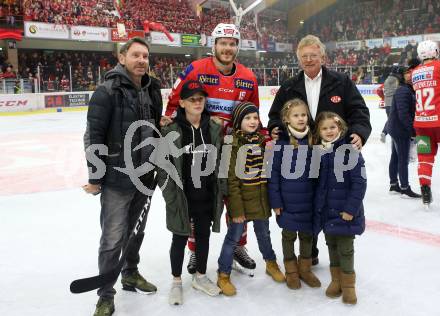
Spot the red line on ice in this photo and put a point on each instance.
(405, 233)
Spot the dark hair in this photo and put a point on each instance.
(124, 48)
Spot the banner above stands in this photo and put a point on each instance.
(349, 45)
(45, 30)
(88, 33)
(115, 36)
(159, 38)
(433, 37)
(402, 41)
(101, 34)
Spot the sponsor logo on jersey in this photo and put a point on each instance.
(185, 73)
(335, 99)
(210, 80)
(220, 105)
(244, 84)
(431, 118)
(225, 90)
(424, 73)
(242, 95)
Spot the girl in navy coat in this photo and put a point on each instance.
(291, 192)
(338, 200)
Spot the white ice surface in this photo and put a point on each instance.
(49, 238)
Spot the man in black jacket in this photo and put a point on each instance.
(127, 97)
(322, 90)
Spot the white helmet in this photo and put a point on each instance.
(226, 30)
(427, 49)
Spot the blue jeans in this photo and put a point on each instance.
(399, 161)
(261, 229)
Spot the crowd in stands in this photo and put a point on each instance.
(364, 19)
(176, 15)
(10, 13)
(55, 68)
(78, 12)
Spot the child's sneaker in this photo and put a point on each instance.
(202, 283)
(176, 293)
(274, 271)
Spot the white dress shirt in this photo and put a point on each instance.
(313, 89)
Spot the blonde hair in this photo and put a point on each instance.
(310, 40)
(323, 116)
(287, 107)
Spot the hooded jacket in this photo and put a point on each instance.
(177, 203)
(195, 141)
(113, 108)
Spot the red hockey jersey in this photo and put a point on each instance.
(224, 92)
(426, 84)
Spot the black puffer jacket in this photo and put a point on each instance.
(114, 106)
(338, 94)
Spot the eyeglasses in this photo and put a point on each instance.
(310, 57)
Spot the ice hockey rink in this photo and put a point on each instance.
(50, 236)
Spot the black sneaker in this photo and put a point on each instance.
(243, 259)
(315, 261)
(395, 188)
(408, 192)
(426, 194)
(192, 263)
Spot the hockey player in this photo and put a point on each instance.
(227, 83)
(426, 84)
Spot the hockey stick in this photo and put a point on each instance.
(95, 282)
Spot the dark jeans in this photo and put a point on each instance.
(399, 161)
(202, 232)
(119, 213)
(261, 229)
(385, 127)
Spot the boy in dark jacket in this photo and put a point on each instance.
(247, 195)
(400, 127)
(199, 201)
(338, 199)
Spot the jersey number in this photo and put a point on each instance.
(426, 94)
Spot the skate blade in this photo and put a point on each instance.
(236, 267)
